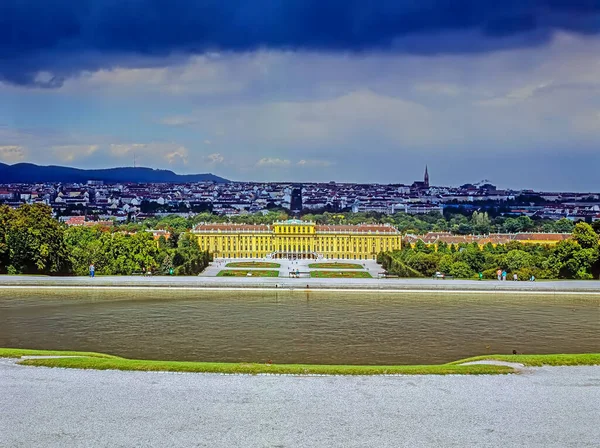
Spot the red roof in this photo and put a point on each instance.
(362, 228)
(228, 227)
(76, 221)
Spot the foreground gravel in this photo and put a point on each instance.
(546, 407)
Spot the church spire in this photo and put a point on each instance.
(426, 178)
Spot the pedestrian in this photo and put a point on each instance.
(532, 278)
(499, 274)
(92, 270)
(515, 277)
(504, 275)
(480, 276)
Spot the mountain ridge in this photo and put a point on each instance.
(32, 173)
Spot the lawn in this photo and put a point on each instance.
(252, 264)
(19, 352)
(335, 266)
(584, 359)
(339, 274)
(244, 273)
(105, 362)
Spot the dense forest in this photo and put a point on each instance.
(33, 242)
(577, 258)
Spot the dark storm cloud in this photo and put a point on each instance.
(66, 36)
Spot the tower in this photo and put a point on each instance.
(426, 178)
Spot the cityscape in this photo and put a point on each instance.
(126, 201)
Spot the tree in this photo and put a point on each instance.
(569, 260)
(518, 259)
(480, 222)
(425, 263)
(86, 245)
(35, 242)
(563, 225)
(511, 225)
(7, 217)
(420, 246)
(443, 248)
(584, 234)
(526, 223)
(461, 269)
(189, 259)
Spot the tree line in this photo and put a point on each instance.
(478, 223)
(33, 242)
(577, 258)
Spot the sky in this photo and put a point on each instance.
(308, 90)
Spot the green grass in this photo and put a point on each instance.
(340, 274)
(19, 352)
(252, 264)
(99, 361)
(254, 368)
(584, 359)
(335, 266)
(244, 272)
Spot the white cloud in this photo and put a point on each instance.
(438, 88)
(517, 95)
(177, 120)
(199, 75)
(69, 153)
(332, 122)
(273, 162)
(305, 163)
(152, 153)
(12, 153)
(177, 156)
(121, 150)
(214, 159)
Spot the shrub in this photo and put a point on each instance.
(460, 269)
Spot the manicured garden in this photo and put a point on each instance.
(100, 361)
(252, 264)
(335, 265)
(245, 272)
(339, 274)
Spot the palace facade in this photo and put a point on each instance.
(295, 239)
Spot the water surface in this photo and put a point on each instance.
(297, 327)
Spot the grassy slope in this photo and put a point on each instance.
(252, 264)
(253, 368)
(19, 352)
(99, 361)
(584, 359)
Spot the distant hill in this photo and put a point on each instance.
(30, 173)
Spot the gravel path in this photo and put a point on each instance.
(546, 407)
(359, 284)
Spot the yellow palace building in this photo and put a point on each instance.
(295, 239)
